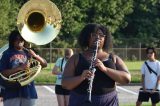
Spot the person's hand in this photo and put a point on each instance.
(100, 65)
(153, 91)
(86, 74)
(24, 66)
(1, 99)
(59, 76)
(144, 90)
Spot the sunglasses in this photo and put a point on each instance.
(150, 52)
(18, 39)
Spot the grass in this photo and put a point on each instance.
(134, 65)
(143, 104)
(134, 68)
(46, 77)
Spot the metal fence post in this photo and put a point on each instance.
(50, 49)
(140, 52)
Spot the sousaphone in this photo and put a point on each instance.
(39, 22)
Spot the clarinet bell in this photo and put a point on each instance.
(87, 103)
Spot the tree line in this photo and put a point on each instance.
(130, 21)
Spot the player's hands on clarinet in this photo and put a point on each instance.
(86, 74)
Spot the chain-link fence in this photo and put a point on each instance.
(128, 54)
(133, 54)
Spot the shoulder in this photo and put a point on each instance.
(119, 63)
(60, 59)
(158, 62)
(115, 58)
(143, 64)
(6, 53)
(74, 59)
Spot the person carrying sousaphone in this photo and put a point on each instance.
(150, 79)
(13, 60)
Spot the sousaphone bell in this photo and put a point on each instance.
(39, 21)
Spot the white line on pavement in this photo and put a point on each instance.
(121, 88)
(48, 88)
(129, 91)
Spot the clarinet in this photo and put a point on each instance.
(92, 69)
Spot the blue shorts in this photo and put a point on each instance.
(61, 91)
(109, 99)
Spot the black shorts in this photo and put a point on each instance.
(61, 91)
(144, 97)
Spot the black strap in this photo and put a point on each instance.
(62, 64)
(112, 58)
(149, 68)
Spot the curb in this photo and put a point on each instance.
(130, 84)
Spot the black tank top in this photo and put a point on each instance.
(102, 84)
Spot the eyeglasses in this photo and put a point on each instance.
(150, 52)
(97, 35)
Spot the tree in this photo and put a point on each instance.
(76, 14)
(110, 13)
(143, 24)
(8, 10)
(71, 23)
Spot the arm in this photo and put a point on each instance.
(158, 82)
(143, 82)
(42, 61)
(143, 71)
(55, 70)
(8, 72)
(5, 70)
(158, 78)
(69, 80)
(120, 75)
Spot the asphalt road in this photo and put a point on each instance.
(47, 97)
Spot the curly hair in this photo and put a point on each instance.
(85, 35)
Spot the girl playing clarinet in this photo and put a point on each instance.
(109, 69)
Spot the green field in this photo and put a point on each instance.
(134, 68)
(143, 104)
(46, 77)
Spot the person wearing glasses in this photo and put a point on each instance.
(150, 71)
(110, 69)
(61, 93)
